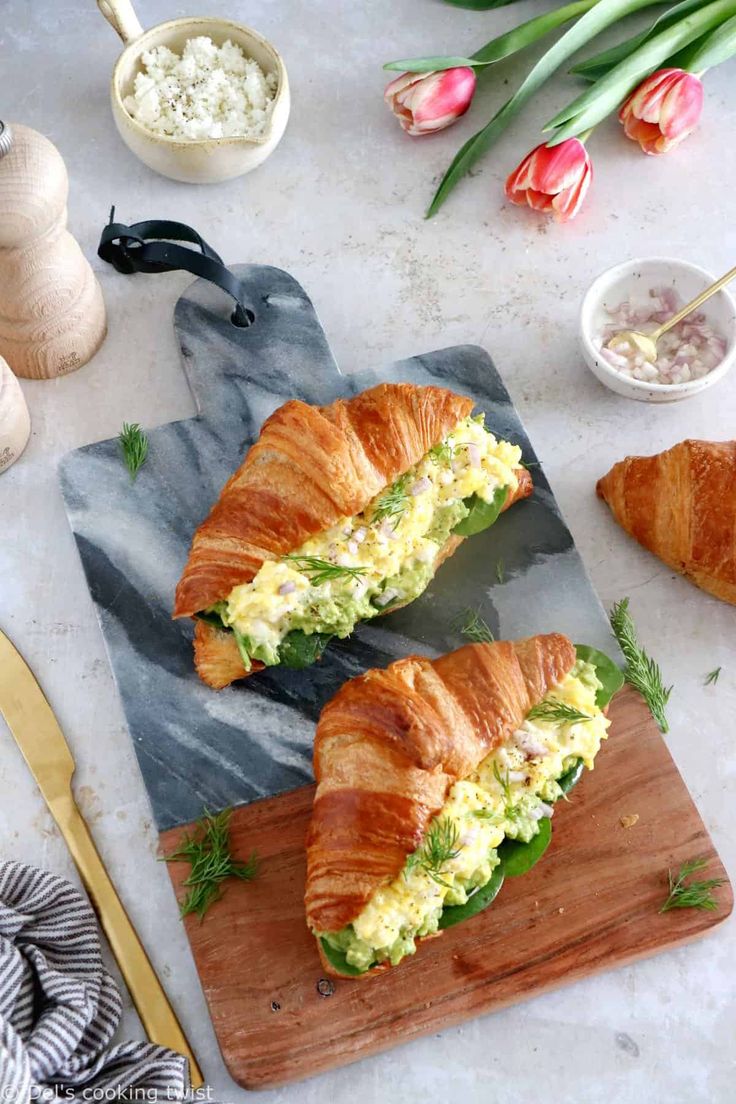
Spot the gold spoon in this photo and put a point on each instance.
(647, 343)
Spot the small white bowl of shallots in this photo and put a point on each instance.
(640, 295)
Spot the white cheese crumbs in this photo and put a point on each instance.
(208, 92)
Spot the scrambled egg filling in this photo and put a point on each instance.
(505, 797)
(383, 557)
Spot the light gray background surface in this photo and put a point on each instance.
(339, 205)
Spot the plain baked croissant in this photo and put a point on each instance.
(681, 505)
(310, 467)
(390, 745)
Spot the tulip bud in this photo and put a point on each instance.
(425, 102)
(663, 110)
(553, 179)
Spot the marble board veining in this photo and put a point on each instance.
(201, 748)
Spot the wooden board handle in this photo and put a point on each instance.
(120, 14)
(146, 991)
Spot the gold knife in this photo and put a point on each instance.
(45, 750)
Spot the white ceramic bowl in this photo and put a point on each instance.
(207, 161)
(617, 284)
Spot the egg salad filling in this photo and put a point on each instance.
(382, 557)
(506, 797)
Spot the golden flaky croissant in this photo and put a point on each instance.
(681, 505)
(433, 752)
(307, 536)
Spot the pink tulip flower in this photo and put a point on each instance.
(426, 102)
(663, 110)
(553, 179)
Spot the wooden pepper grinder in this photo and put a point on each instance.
(52, 315)
(15, 421)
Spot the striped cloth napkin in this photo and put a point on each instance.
(59, 1007)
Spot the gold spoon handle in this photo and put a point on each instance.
(711, 290)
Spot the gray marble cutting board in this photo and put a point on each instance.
(197, 747)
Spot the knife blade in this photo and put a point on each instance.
(37, 733)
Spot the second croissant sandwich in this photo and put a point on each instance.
(339, 513)
(437, 778)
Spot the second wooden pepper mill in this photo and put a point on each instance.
(52, 315)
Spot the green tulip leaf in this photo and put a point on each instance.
(479, 5)
(454, 914)
(431, 64)
(598, 65)
(517, 857)
(598, 15)
(714, 48)
(601, 98)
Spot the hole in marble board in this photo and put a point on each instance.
(242, 317)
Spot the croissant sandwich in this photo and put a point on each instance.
(437, 778)
(681, 505)
(337, 514)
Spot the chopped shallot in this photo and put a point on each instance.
(388, 596)
(689, 351)
(473, 455)
(420, 486)
(287, 588)
(530, 745)
(542, 811)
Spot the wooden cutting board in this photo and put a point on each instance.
(590, 904)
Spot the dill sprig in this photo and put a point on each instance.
(134, 446)
(712, 677)
(641, 671)
(393, 501)
(694, 894)
(510, 811)
(440, 846)
(470, 623)
(552, 710)
(321, 571)
(208, 851)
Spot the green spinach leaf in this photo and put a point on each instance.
(482, 514)
(213, 615)
(299, 649)
(211, 618)
(338, 960)
(609, 676)
(453, 914)
(518, 857)
(571, 777)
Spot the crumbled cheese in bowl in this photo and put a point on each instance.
(206, 92)
(689, 351)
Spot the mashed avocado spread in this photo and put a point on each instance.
(507, 797)
(380, 558)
